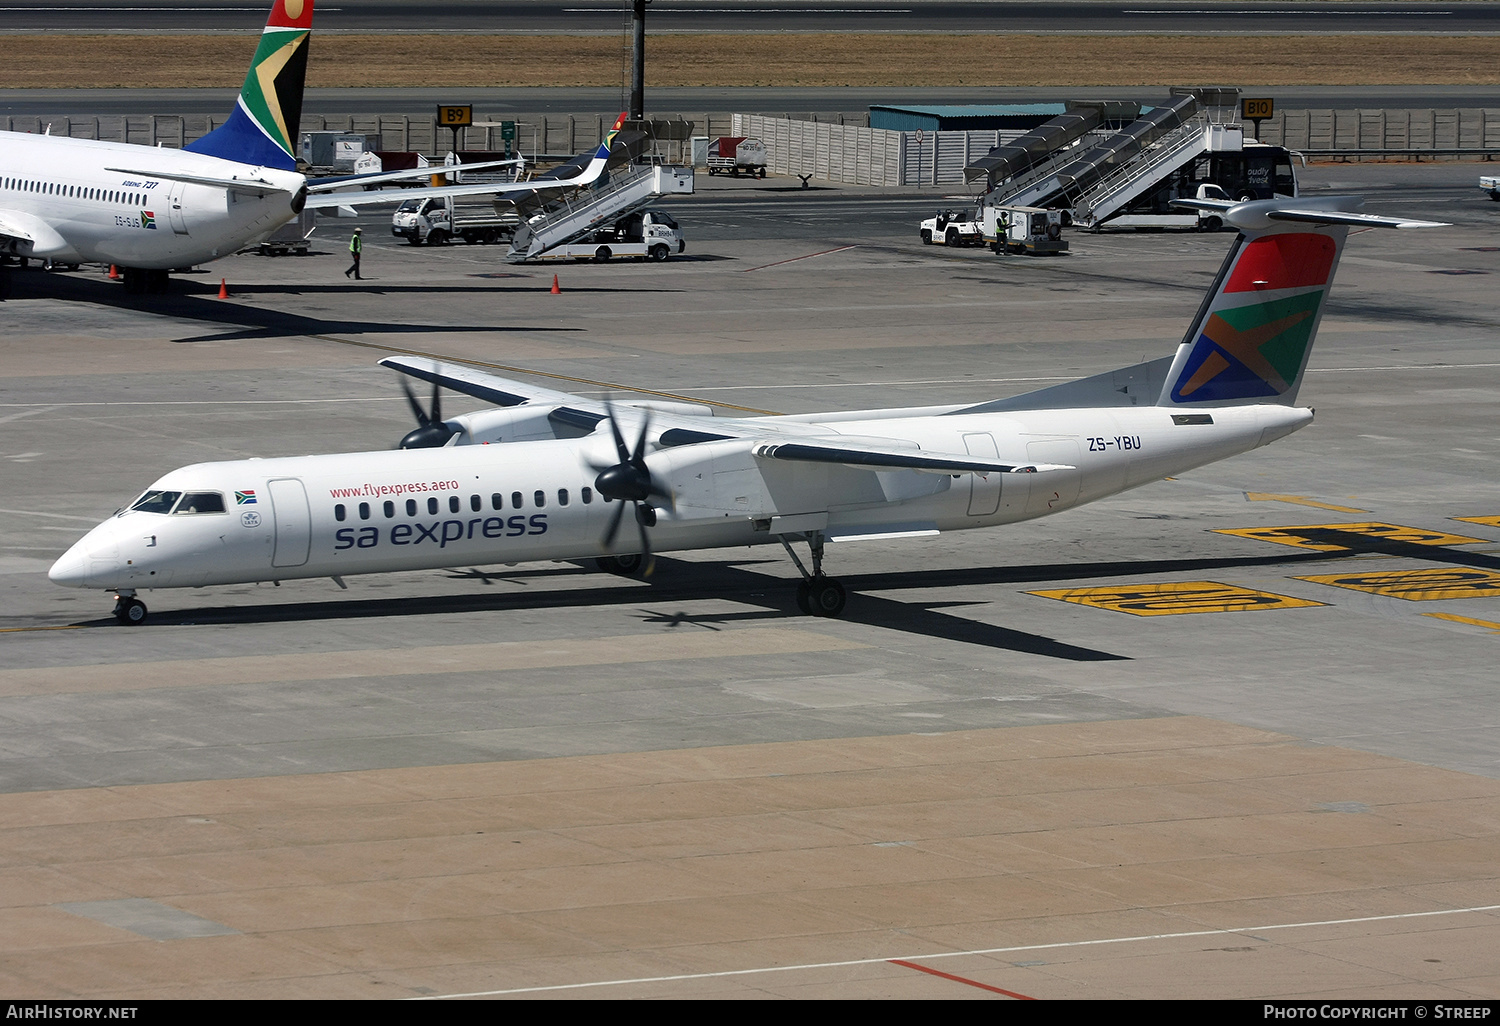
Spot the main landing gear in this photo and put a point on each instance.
(129, 610)
(817, 595)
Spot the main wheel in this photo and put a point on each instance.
(130, 612)
(621, 566)
(825, 596)
(660, 253)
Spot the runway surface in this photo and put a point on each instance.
(543, 780)
(552, 16)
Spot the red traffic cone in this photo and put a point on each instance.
(555, 290)
(223, 289)
(114, 273)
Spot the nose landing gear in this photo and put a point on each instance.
(817, 595)
(129, 610)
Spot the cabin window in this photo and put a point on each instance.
(453, 504)
(516, 502)
(476, 503)
(364, 511)
(432, 507)
(411, 507)
(497, 501)
(390, 509)
(562, 496)
(588, 496)
(156, 501)
(339, 512)
(540, 498)
(200, 502)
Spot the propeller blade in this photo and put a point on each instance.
(614, 526)
(416, 407)
(614, 427)
(640, 443)
(648, 561)
(437, 403)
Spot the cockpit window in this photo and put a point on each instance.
(156, 501)
(200, 502)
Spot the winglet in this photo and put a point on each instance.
(263, 128)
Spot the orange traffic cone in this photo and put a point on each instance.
(555, 290)
(114, 273)
(223, 289)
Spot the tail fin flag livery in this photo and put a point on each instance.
(262, 129)
(1252, 337)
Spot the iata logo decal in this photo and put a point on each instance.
(1249, 351)
(250, 518)
(148, 220)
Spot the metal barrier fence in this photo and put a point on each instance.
(836, 146)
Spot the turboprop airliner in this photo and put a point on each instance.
(150, 209)
(545, 475)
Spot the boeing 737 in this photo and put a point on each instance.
(549, 476)
(149, 209)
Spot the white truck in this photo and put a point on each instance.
(643, 235)
(1491, 185)
(1024, 230)
(732, 154)
(953, 228)
(438, 220)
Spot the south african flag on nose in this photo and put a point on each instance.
(244, 498)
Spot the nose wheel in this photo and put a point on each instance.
(817, 595)
(129, 611)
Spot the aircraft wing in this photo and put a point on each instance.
(487, 387)
(1306, 209)
(866, 456)
(590, 175)
(24, 227)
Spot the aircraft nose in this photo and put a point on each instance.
(93, 557)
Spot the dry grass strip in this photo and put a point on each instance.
(770, 60)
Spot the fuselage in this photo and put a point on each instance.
(470, 505)
(61, 192)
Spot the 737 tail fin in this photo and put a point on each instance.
(263, 128)
(1254, 332)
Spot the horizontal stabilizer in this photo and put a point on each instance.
(1330, 210)
(318, 185)
(257, 185)
(869, 457)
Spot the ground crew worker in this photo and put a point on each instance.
(356, 245)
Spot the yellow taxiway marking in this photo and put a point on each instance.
(58, 627)
(1482, 521)
(1471, 621)
(1301, 501)
(1179, 597)
(1437, 582)
(1297, 535)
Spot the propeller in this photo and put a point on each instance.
(430, 432)
(630, 481)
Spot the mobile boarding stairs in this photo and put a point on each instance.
(577, 214)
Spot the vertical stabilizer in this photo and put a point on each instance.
(1252, 336)
(266, 120)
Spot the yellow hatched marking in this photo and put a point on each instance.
(1298, 535)
(1488, 624)
(1438, 582)
(1172, 599)
(1301, 500)
(1482, 521)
